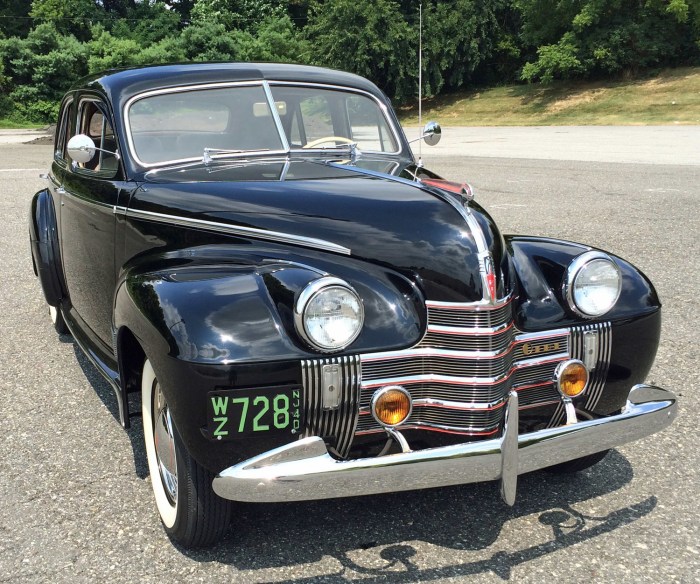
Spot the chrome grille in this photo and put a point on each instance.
(436, 362)
(599, 373)
(468, 316)
(471, 357)
(458, 375)
(337, 425)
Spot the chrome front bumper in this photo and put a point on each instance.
(304, 470)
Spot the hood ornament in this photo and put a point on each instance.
(490, 278)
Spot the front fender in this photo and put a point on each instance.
(206, 323)
(635, 320)
(541, 264)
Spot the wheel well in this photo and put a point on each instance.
(131, 358)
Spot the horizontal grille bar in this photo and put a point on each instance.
(439, 314)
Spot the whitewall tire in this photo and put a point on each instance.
(193, 515)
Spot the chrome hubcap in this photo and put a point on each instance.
(165, 444)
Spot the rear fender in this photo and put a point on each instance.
(43, 238)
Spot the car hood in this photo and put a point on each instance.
(380, 218)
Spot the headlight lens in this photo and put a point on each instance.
(593, 284)
(329, 314)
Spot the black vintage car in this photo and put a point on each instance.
(307, 312)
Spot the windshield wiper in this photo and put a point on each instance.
(207, 155)
(352, 149)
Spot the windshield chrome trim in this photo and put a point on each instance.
(266, 85)
(276, 116)
(226, 228)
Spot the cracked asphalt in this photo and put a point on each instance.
(76, 504)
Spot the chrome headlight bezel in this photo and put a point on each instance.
(577, 269)
(312, 290)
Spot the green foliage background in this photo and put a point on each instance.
(46, 45)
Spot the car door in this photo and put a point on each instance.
(88, 193)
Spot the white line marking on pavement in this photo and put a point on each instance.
(21, 169)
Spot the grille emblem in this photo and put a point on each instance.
(532, 349)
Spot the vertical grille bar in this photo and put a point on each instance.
(599, 374)
(338, 424)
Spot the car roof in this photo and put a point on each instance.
(119, 85)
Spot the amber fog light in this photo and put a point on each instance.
(571, 377)
(391, 405)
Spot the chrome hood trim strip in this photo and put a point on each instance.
(228, 229)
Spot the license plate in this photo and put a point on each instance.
(253, 412)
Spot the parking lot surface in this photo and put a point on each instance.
(75, 498)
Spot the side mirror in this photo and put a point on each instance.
(81, 148)
(432, 133)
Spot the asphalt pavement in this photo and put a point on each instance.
(75, 499)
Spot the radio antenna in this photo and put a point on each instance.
(420, 84)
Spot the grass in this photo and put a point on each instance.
(671, 97)
(12, 125)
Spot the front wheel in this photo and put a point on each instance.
(193, 515)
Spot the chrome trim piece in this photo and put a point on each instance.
(330, 386)
(252, 232)
(338, 424)
(458, 379)
(307, 294)
(572, 273)
(276, 115)
(598, 374)
(509, 451)
(304, 470)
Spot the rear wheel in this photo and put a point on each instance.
(57, 319)
(193, 515)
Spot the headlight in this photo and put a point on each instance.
(592, 284)
(329, 314)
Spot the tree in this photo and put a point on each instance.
(67, 16)
(237, 14)
(39, 70)
(14, 18)
(602, 38)
(370, 39)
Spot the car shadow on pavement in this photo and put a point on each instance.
(104, 391)
(463, 518)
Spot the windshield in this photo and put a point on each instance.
(200, 123)
(314, 117)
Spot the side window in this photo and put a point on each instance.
(65, 129)
(94, 123)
